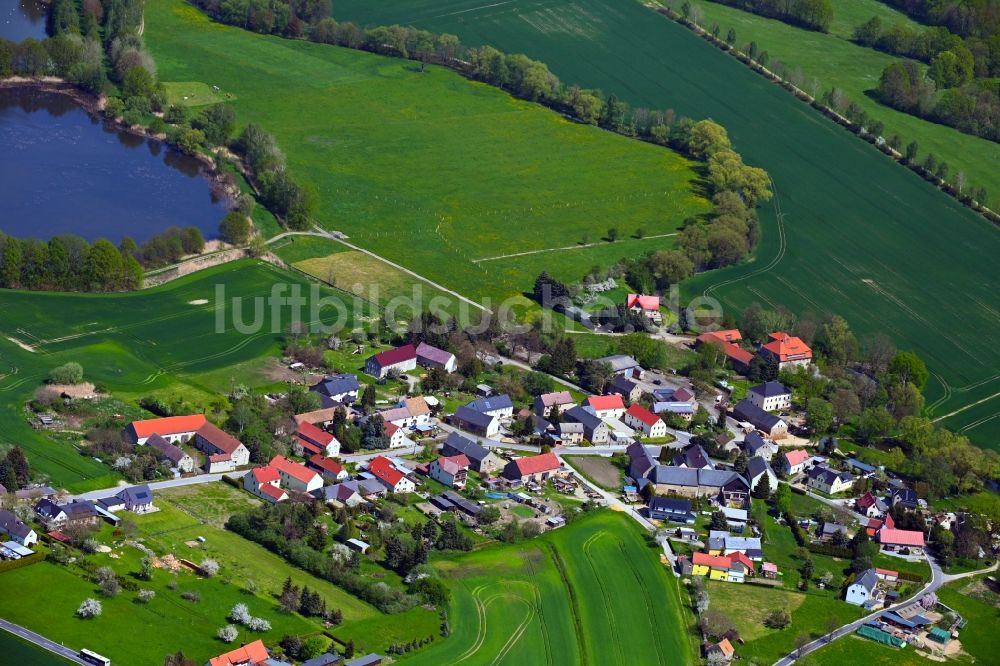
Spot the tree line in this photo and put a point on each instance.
(963, 17)
(810, 14)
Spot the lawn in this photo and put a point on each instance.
(589, 593)
(979, 637)
(849, 232)
(157, 341)
(293, 249)
(856, 650)
(429, 169)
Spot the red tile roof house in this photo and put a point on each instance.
(606, 406)
(788, 350)
(396, 481)
(396, 435)
(896, 541)
(264, 483)
(639, 418)
(174, 429)
(329, 469)
(314, 440)
(296, 477)
(451, 471)
(726, 342)
(400, 359)
(534, 468)
(646, 305)
(250, 654)
(225, 452)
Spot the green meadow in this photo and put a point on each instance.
(162, 341)
(849, 231)
(428, 169)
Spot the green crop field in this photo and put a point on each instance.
(849, 231)
(590, 593)
(25, 654)
(440, 174)
(133, 344)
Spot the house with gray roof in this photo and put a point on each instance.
(757, 469)
(16, 528)
(727, 487)
(624, 366)
(595, 430)
(499, 406)
(179, 460)
(769, 424)
(476, 422)
(340, 389)
(137, 499)
(862, 591)
(624, 387)
(671, 509)
(749, 546)
(641, 460)
(755, 445)
(693, 456)
(429, 356)
(480, 458)
(770, 396)
(340, 494)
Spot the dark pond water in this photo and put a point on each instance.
(20, 19)
(62, 171)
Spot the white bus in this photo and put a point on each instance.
(91, 657)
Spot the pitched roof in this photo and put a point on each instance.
(315, 416)
(171, 452)
(265, 474)
(621, 384)
(11, 524)
(601, 402)
(556, 398)
(770, 389)
(694, 456)
(314, 434)
(868, 579)
(757, 466)
(747, 411)
(169, 425)
(754, 442)
(544, 462)
(397, 355)
(492, 403)
(383, 469)
(218, 438)
(251, 653)
(273, 492)
(639, 412)
(473, 451)
(433, 354)
(389, 428)
(619, 362)
(725, 340)
(326, 464)
(683, 395)
(796, 457)
(901, 537)
(473, 417)
(293, 469)
(141, 494)
(337, 384)
(669, 504)
(46, 508)
(587, 418)
(416, 406)
(788, 347)
(644, 302)
(725, 335)
(453, 464)
(886, 572)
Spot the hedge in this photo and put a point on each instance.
(10, 565)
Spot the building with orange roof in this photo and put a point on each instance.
(793, 462)
(723, 648)
(328, 468)
(390, 476)
(250, 654)
(174, 429)
(732, 568)
(648, 306)
(316, 440)
(450, 470)
(294, 476)
(788, 350)
(534, 468)
(726, 341)
(225, 452)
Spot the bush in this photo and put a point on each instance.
(777, 619)
(70, 373)
(258, 624)
(145, 596)
(209, 567)
(227, 634)
(240, 614)
(193, 597)
(90, 608)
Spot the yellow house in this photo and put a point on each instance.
(732, 568)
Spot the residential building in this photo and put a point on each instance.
(769, 570)
(340, 389)
(618, 432)
(758, 469)
(432, 357)
(769, 424)
(534, 468)
(605, 406)
(321, 418)
(770, 396)
(896, 541)
(568, 433)
(672, 510)
(466, 418)
(788, 350)
(342, 494)
(793, 462)
(400, 359)
(862, 590)
(731, 568)
(296, 477)
(419, 409)
(54, 516)
(594, 429)
(137, 499)
(265, 482)
(829, 481)
(625, 387)
(179, 460)
(905, 497)
(225, 452)
(749, 546)
(547, 403)
(723, 649)
(174, 429)
(314, 441)
(693, 456)
(727, 487)
(647, 306)
(499, 406)
(871, 506)
(624, 366)
(641, 419)
(480, 458)
(390, 476)
(830, 529)
(755, 445)
(684, 410)
(16, 529)
(726, 341)
(251, 654)
(329, 469)
(396, 435)
(450, 470)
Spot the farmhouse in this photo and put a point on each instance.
(329, 469)
(179, 460)
(547, 403)
(174, 429)
(225, 452)
(321, 418)
(828, 480)
(645, 421)
(648, 306)
(623, 366)
(625, 387)
(726, 341)
(534, 468)
(594, 429)
(390, 476)
(769, 424)
(606, 406)
(757, 470)
(475, 422)
(793, 462)
(728, 488)
(432, 357)
(400, 359)
(732, 568)
(499, 406)
(770, 396)
(251, 654)
(451, 471)
(264, 482)
(16, 529)
(788, 350)
(896, 541)
(480, 458)
(673, 510)
(341, 389)
(396, 435)
(316, 441)
(863, 590)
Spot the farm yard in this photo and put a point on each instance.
(162, 341)
(569, 597)
(886, 258)
(431, 170)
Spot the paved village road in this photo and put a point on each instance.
(41, 641)
(159, 485)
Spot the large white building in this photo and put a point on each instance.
(770, 396)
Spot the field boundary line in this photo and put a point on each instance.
(650, 603)
(965, 407)
(578, 246)
(574, 602)
(612, 623)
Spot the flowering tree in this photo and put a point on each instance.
(89, 608)
(227, 634)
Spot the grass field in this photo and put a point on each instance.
(163, 340)
(429, 169)
(590, 593)
(849, 232)
(25, 654)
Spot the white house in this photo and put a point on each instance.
(559, 401)
(828, 480)
(641, 419)
(390, 476)
(793, 462)
(757, 469)
(451, 471)
(264, 482)
(396, 435)
(431, 357)
(294, 476)
(179, 460)
(18, 531)
(499, 406)
(313, 440)
(225, 452)
(862, 590)
(606, 406)
(770, 396)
